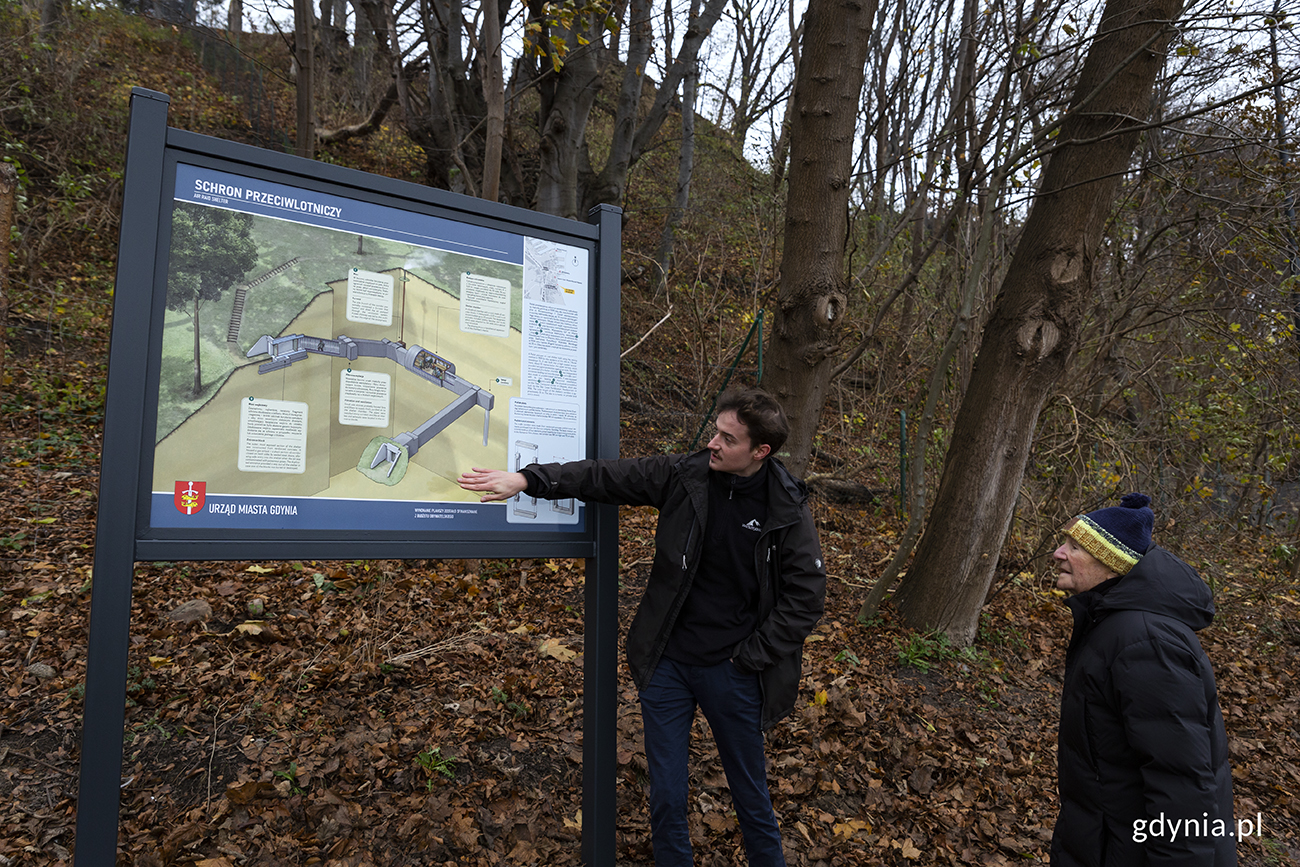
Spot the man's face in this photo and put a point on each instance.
(1078, 571)
(731, 450)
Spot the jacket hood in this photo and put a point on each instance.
(1159, 584)
(795, 487)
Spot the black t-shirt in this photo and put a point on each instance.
(721, 609)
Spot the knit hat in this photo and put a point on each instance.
(1118, 536)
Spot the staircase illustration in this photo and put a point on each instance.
(237, 309)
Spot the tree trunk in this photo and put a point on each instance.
(198, 361)
(494, 96)
(1288, 204)
(454, 109)
(567, 97)
(812, 297)
(1033, 330)
(333, 37)
(303, 68)
(364, 48)
(685, 170)
(608, 185)
(235, 19)
(8, 192)
(781, 146)
(53, 13)
(632, 138)
(938, 378)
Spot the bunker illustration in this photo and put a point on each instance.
(395, 452)
(525, 454)
(525, 506)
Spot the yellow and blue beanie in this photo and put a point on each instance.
(1118, 536)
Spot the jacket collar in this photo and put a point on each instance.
(1159, 584)
(786, 495)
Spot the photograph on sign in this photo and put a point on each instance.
(329, 363)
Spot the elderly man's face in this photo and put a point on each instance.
(1078, 571)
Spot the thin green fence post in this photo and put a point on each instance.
(757, 326)
(902, 462)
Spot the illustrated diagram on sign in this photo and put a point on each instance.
(363, 394)
(496, 321)
(567, 505)
(523, 505)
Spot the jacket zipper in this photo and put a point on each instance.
(764, 568)
(661, 641)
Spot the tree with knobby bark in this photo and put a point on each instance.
(812, 297)
(1034, 327)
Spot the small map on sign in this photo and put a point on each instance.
(554, 273)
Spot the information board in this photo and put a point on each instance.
(303, 360)
(359, 358)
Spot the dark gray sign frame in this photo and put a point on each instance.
(124, 537)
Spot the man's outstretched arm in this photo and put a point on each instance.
(494, 484)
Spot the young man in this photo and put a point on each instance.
(1141, 735)
(736, 586)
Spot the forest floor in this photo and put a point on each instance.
(283, 725)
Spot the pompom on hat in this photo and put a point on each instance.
(1118, 536)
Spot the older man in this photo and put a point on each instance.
(1142, 744)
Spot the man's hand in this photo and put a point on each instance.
(498, 484)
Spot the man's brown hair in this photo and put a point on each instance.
(759, 412)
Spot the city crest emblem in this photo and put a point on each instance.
(189, 497)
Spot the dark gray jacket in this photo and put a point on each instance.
(787, 556)
(1141, 734)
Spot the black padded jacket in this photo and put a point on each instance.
(787, 556)
(1141, 734)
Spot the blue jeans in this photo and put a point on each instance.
(732, 702)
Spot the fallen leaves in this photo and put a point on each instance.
(250, 791)
(297, 735)
(906, 849)
(553, 648)
(851, 828)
